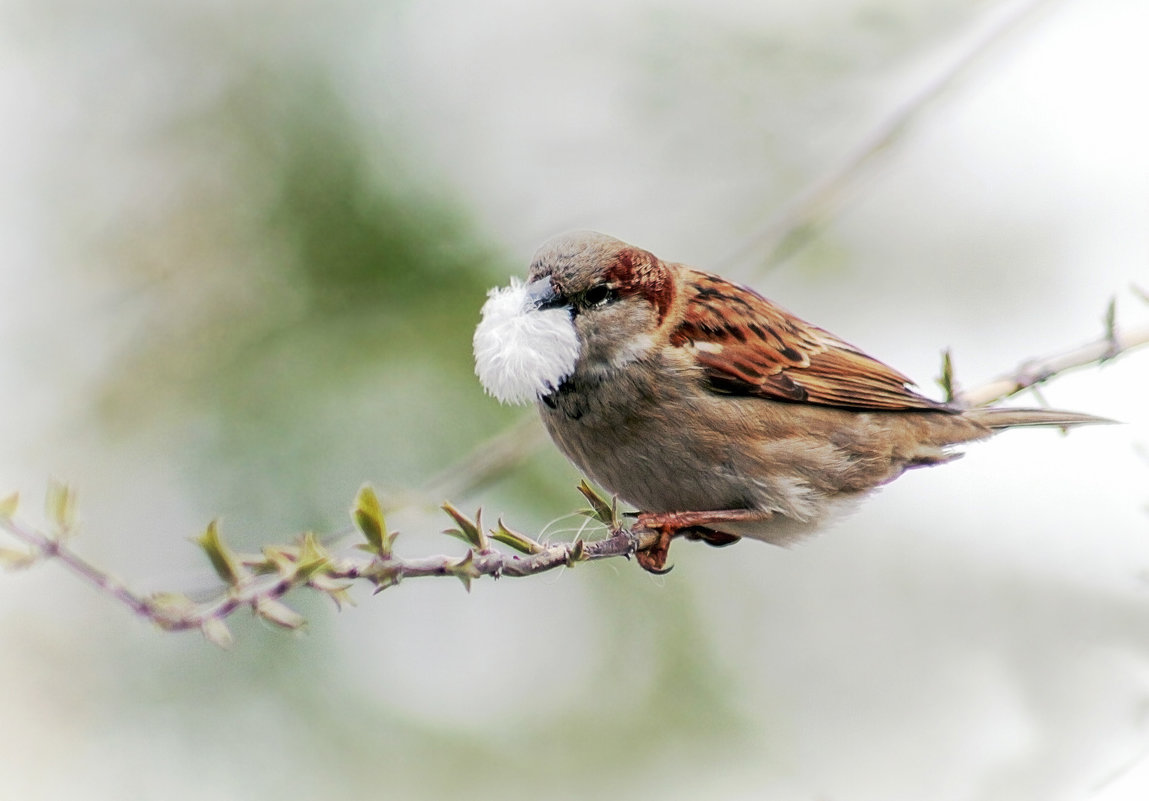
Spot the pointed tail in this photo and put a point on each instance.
(999, 417)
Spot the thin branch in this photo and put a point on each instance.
(1033, 372)
(259, 582)
(388, 571)
(45, 546)
(819, 200)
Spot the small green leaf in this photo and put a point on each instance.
(313, 557)
(600, 510)
(216, 632)
(227, 566)
(60, 507)
(9, 505)
(16, 559)
(520, 542)
(469, 531)
(367, 515)
(464, 569)
(278, 613)
(946, 380)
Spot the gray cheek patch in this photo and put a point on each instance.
(522, 353)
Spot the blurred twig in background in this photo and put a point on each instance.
(488, 460)
(794, 222)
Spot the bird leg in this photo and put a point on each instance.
(692, 525)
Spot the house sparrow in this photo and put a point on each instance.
(712, 410)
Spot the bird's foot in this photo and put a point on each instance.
(692, 525)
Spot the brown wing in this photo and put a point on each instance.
(749, 346)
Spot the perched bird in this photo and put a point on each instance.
(712, 410)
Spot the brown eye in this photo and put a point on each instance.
(598, 295)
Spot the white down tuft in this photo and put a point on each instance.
(521, 352)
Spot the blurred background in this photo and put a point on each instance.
(245, 245)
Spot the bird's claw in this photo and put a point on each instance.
(652, 558)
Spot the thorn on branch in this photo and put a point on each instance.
(383, 575)
(464, 569)
(577, 553)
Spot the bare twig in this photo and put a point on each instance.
(814, 204)
(1033, 372)
(45, 546)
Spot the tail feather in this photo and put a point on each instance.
(999, 417)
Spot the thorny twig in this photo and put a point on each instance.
(260, 581)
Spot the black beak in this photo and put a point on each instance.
(541, 295)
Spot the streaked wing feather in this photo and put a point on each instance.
(750, 346)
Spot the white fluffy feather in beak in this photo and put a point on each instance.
(522, 351)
